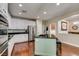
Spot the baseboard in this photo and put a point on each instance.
(72, 44)
(24, 42)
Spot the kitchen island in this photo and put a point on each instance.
(45, 46)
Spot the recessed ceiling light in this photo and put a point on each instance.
(57, 3)
(23, 11)
(44, 12)
(20, 5)
(38, 17)
(20, 13)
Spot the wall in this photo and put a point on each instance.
(39, 27)
(52, 28)
(67, 38)
(17, 23)
(72, 39)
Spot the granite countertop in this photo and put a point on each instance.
(46, 36)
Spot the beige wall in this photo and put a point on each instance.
(39, 29)
(52, 29)
(72, 39)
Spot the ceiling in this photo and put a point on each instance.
(73, 18)
(45, 11)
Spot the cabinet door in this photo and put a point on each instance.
(0, 8)
(45, 47)
(4, 9)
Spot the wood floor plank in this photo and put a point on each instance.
(22, 49)
(68, 50)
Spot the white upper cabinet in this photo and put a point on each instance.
(4, 9)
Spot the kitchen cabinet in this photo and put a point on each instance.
(3, 29)
(45, 47)
(4, 9)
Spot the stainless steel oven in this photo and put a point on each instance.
(3, 35)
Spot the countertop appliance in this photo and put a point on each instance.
(3, 35)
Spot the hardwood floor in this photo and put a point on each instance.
(22, 49)
(68, 50)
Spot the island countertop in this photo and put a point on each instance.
(46, 36)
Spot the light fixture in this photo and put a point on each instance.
(57, 3)
(20, 5)
(20, 13)
(44, 12)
